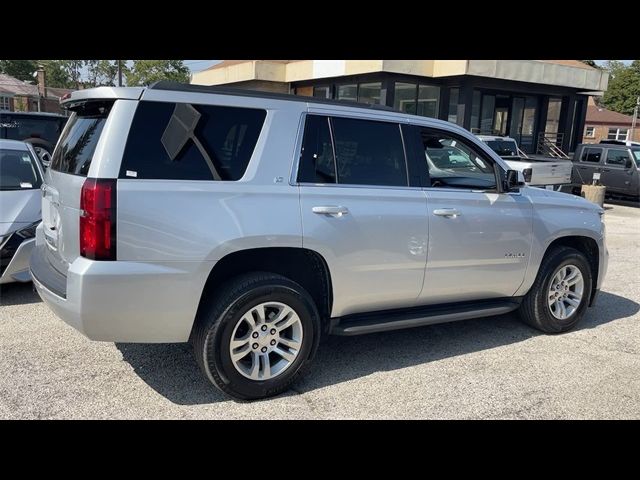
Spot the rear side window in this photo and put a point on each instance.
(77, 145)
(190, 142)
(592, 155)
(617, 157)
(369, 152)
(317, 162)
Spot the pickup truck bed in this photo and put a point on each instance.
(544, 170)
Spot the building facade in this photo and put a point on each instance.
(603, 124)
(534, 101)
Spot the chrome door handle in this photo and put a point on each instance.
(447, 212)
(334, 211)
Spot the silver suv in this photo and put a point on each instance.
(253, 224)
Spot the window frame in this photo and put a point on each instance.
(5, 99)
(617, 134)
(586, 132)
(498, 172)
(413, 181)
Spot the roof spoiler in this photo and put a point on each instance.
(100, 93)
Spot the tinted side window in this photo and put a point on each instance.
(617, 157)
(591, 155)
(190, 142)
(317, 163)
(369, 152)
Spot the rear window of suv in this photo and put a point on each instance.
(79, 141)
(190, 142)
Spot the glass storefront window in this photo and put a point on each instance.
(405, 97)
(348, 92)
(486, 115)
(428, 99)
(322, 92)
(369, 93)
(475, 112)
(454, 94)
(553, 115)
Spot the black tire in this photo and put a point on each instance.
(535, 310)
(218, 317)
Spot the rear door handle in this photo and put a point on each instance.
(447, 212)
(334, 211)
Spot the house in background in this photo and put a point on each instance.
(603, 124)
(541, 103)
(19, 96)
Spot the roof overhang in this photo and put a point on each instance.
(530, 71)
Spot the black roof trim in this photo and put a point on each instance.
(34, 114)
(183, 87)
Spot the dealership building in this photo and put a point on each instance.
(540, 103)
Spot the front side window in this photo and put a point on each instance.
(617, 157)
(18, 170)
(454, 162)
(591, 155)
(317, 163)
(181, 141)
(369, 152)
(504, 148)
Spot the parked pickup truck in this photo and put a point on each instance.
(538, 170)
(617, 162)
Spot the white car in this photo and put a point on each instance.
(538, 171)
(20, 200)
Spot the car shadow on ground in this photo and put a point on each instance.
(170, 369)
(18, 294)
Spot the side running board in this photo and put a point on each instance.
(362, 323)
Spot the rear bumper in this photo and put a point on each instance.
(124, 301)
(18, 268)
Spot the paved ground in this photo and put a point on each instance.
(489, 368)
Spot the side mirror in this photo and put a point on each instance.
(514, 179)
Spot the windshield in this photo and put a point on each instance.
(18, 170)
(504, 148)
(636, 156)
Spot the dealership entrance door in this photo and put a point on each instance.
(507, 115)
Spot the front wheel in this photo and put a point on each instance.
(256, 336)
(560, 294)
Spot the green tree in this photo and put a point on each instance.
(57, 75)
(624, 88)
(103, 72)
(20, 69)
(145, 72)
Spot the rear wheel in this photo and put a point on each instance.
(256, 336)
(559, 297)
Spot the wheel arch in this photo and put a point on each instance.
(304, 266)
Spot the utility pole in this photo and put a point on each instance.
(635, 118)
(119, 73)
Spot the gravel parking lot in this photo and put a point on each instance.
(488, 368)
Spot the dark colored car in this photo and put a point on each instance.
(41, 130)
(618, 164)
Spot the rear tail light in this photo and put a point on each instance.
(527, 174)
(98, 219)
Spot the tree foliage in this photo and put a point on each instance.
(20, 69)
(103, 72)
(624, 87)
(145, 72)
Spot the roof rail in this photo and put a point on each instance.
(183, 87)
